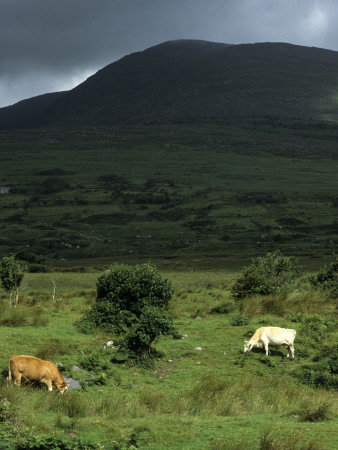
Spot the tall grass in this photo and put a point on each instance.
(211, 396)
(283, 303)
(217, 396)
(23, 316)
(281, 439)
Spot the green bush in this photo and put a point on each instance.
(223, 308)
(315, 326)
(266, 275)
(315, 377)
(131, 301)
(239, 321)
(327, 358)
(323, 373)
(11, 276)
(94, 362)
(327, 278)
(131, 288)
(37, 268)
(153, 322)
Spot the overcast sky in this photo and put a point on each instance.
(53, 45)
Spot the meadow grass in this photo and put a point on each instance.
(202, 393)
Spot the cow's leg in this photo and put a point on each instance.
(17, 379)
(292, 349)
(266, 346)
(48, 383)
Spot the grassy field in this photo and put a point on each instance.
(203, 393)
(178, 191)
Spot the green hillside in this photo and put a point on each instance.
(187, 149)
(178, 191)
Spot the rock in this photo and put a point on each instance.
(110, 344)
(72, 384)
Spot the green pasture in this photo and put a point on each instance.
(202, 393)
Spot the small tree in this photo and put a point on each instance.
(131, 301)
(11, 276)
(327, 278)
(266, 275)
(152, 323)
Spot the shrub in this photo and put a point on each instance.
(131, 301)
(94, 362)
(239, 321)
(37, 268)
(223, 308)
(315, 414)
(315, 326)
(327, 358)
(327, 278)
(266, 275)
(153, 322)
(316, 378)
(132, 288)
(11, 276)
(27, 256)
(296, 318)
(6, 410)
(324, 372)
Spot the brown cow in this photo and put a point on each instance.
(35, 369)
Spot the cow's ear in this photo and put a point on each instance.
(246, 342)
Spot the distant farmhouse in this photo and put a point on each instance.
(4, 189)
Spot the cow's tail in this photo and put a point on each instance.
(9, 378)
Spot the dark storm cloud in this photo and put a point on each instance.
(48, 45)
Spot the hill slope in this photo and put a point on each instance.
(195, 81)
(170, 191)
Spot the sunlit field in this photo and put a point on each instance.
(202, 392)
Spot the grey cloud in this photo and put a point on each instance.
(48, 45)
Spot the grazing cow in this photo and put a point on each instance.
(273, 336)
(35, 369)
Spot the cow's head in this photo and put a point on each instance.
(63, 387)
(247, 346)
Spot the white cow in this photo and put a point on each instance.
(273, 336)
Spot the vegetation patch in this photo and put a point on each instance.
(266, 275)
(203, 392)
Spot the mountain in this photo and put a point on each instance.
(26, 113)
(194, 81)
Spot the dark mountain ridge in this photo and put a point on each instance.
(194, 81)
